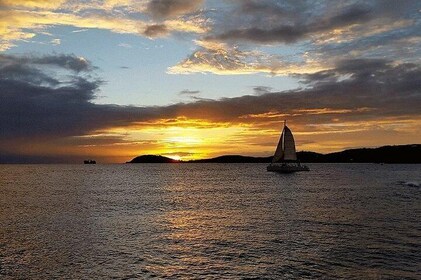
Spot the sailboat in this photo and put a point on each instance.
(285, 158)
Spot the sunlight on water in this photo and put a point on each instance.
(213, 221)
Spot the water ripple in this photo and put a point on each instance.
(209, 221)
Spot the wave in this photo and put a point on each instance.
(413, 184)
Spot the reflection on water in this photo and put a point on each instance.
(212, 221)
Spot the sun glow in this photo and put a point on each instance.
(181, 143)
(174, 157)
(197, 141)
(184, 140)
(188, 140)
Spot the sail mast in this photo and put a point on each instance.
(283, 140)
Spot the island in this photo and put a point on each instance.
(152, 159)
(386, 154)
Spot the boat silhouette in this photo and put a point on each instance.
(285, 158)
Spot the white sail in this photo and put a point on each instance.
(289, 145)
(285, 151)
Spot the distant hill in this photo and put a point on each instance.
(234, 159)
(385, 154)
(305, 156)
(152, 159)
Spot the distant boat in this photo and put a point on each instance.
(285, 158)
(89, 161)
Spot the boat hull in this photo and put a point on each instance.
(287, 168)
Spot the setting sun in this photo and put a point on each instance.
(174, 157)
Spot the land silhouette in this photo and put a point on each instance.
(385, 154)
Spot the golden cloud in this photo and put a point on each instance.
(43, 4)
(22, 20)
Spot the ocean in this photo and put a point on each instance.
(210, 221)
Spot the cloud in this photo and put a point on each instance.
(45, 4)
(19, 25)
(336, 48)
(262, 90)
(314, 34)
(156, 30)
(290, 32)
(172, 8)
(235, 37)
(55, 42)
(68, 62)
(54, 112)
(354, 90)
(35, 103)
(80, 30)
(222, 59)
(189, 92)
(125, 45)
(268, 8)
(24, 19)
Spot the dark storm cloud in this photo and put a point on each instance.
(37, 104)
(259, 90)
(363, 89)
(294, 31)
(357, 68)
(156, 30)
(69, 62)
(171, 8)
(267, 8)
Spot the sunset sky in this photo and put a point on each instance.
(113, 79)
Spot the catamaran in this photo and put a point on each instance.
(285, 158)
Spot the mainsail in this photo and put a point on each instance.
(285, 151)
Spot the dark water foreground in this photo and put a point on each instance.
(209, 221)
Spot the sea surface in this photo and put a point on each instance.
(210, 221)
